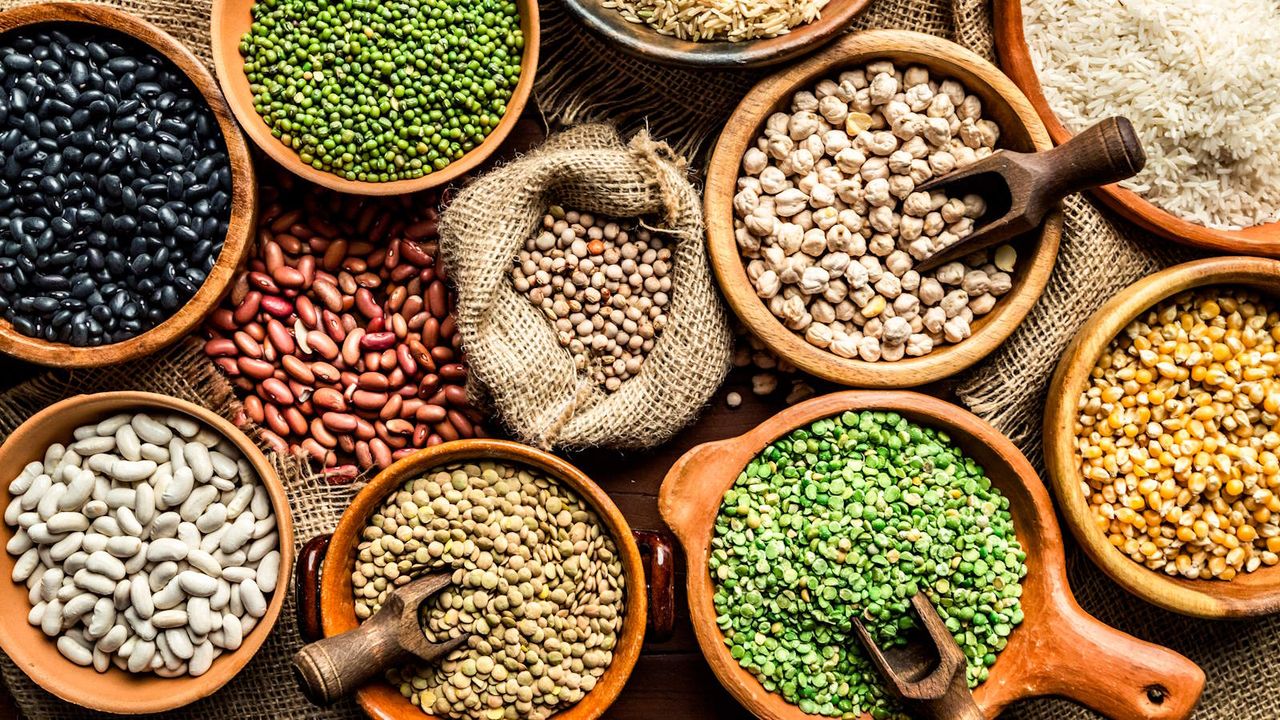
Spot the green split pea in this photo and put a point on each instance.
(377, 90)
(852, 516)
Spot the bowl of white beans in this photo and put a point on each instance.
(148, 549)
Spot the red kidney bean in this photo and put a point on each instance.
(372, 381)
(228, 365)
(275, 421)
(364, 429)
(273, 441)
(339, 422)
(253, 408)
(333, 325)
(277, 391)
(288, 277)
(220, 347)
(437, 299)
(461, 423)
(297, 423)
(315, 450)
(306, 310)
(282, 223)
(223, 319)
(399, 427)
(324, 371)
(246, 344)
(334, 255)
(453, 371)
(428, 386)
(328, 294)
(456, 395)
(248, 308)
(277, 306)
(366, 400)
(392, 408)
(431, 413)
(446, 431)
(430, 332)
(381, 453)
(329, 399)
(406, 361)
(322, 344)
(364, 457)
(378, 341)
(351, 347)
(420, 434)
(256, 369)
(346, 444)
(272, 255)
(298, 369)
(263, 282)
(280, 337)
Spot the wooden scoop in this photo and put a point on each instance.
(333, 667)
(1020, 188)
(929, 673)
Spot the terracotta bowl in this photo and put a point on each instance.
(1015, 58)
(1001, 102)
(244, 196)
(1255, 593)
(118, 691)
(1057, 650)
(326, 606)
(643, 41)
(231, 19)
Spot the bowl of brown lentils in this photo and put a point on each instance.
(548, 582)
(814, 225)
(1162, 441)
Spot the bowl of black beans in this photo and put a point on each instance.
(127, 193)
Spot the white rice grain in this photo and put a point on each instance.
(1200, 81)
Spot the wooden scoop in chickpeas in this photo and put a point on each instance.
(331, 668)
(1019, 189)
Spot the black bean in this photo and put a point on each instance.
(114, 185)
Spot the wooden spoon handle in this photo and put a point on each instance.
(331, 668)
(1114, 673)
(1105, 153)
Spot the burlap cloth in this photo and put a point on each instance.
(530, 380)
(582, 78)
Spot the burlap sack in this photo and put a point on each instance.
(265, 688)
(529, 379)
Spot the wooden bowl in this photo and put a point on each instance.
(231, 19)
(244, 196)
(1249, 594)
(1020, 130)
(1015, 58)
(327, 604)
(641, 40)
(1057, 650)
(118, 691)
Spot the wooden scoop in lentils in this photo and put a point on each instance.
(115, 188)
(537, 583)
(1177, 436)
(851, 516)
(604, 286)
(340, 330)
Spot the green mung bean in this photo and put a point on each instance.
(376, 90)
(851, 516)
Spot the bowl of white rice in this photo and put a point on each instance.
(1201, 84)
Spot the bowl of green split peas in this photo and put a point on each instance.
(846, 505)
(375, 97)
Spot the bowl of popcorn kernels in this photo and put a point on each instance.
(813, 224)
(1161, 437)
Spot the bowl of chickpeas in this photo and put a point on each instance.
(1162, 437)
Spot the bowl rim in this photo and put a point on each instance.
(229, 67)
(378, 698)
(992, 329)
(642, 41)
(244, 194)
(1015, 58)
(183, 690)
(1196, 598)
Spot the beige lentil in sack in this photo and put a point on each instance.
(515, 358)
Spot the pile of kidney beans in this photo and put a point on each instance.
(115, 188)
(340, 331)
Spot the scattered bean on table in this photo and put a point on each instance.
(147, 543)
(830, 224)
(340, 330)
(115, 185)
(851, 516)
(382, 91)
(1177, 436)
(604, 285)
(537, 583)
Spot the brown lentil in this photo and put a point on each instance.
(1178, 435)
(338, 332)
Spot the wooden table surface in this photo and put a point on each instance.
(671, 679)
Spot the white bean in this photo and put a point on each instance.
(25, 565)
(166, 619)
(268, 571)
(197, 584)
(74, 651)
(150, 430)
(251, 597)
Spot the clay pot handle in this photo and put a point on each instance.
(1112, 672)
(680, 499)
(660, 579)
(307, 587)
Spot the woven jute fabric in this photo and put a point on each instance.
(530, 380)
(265, 688)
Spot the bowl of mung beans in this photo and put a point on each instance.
(1161, 437)
(376, 98)
(548, 581)
(814, 227)
(844, 506)
(128, 193)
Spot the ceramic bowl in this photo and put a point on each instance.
(118, 691)
(231, 19)
(244, 195)
(327, 605)
(1057, 650)
(1255, 593)
(1020, 130)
